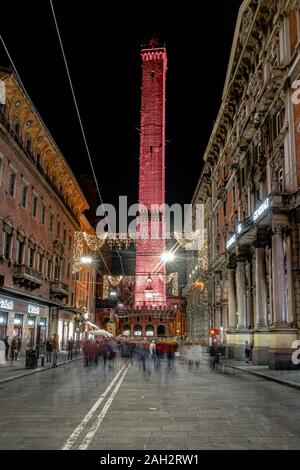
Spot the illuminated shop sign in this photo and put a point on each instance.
(33, 309)
(231, 241)
(261, 209)
(6, 304)
(239, 228)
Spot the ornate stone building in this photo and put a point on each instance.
(250, 187)
(41, 209)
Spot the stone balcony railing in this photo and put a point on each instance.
(59, 290)
(28, 277)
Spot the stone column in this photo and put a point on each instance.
(232, 304)
(241, 293)
(278, 279)
(290, 287)
(261, 310)
(250, 295)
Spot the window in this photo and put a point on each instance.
(28, 144)
(34, 205)
(17, 127)
(41, 263)
(23, 195)
(1, 167)
(70, 242)
(68, 270)
(58, 229)
(280, 180)
(31, 257)
(20, 250)
(49, 271)
(11, 183)
(51, 222)
(233, 195)
(279, 122)
(43, 215)
(7, 245)
(38, 158)
(65, 235)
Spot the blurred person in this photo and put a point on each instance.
(55, 348)
(49, 350)
(13, 349)
(5, 340)
(70, 347)
(88, 351)
(19, 345)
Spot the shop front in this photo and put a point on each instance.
(23, 319)
(65, 328)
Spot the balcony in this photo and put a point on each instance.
(59, 290)
(27, 277)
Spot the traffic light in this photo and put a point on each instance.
(214, 331)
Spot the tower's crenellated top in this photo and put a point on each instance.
(153, 51)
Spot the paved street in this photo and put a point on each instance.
(76, 407)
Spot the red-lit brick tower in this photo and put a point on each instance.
(150, 280)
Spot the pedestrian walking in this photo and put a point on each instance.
(247, 352)
(13, 349)
(152, 349)
(55, 348)
(5, 340)
(49, 350)
(170, 355)
(70, 347)
(88, 351)
(19, 347)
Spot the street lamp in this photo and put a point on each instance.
(86, 260)
(167, 256)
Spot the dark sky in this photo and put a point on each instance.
(102, 44)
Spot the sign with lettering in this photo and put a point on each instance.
(262, 208)
(33, 309)
(6, 304)
(231, 241)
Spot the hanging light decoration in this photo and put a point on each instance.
(199, 285)
(82, 243)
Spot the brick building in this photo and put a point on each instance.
(250, 187)
(41, 208)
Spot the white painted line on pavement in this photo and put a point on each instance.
(70, 441)
(89, 436)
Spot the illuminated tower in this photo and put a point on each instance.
(150, 280)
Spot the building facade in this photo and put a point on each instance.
(41, 209)
(250, 187)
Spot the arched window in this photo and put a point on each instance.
(161, 330)
(149, 330)
(137, 331)
(126, 329)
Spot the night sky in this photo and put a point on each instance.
(102, 43)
